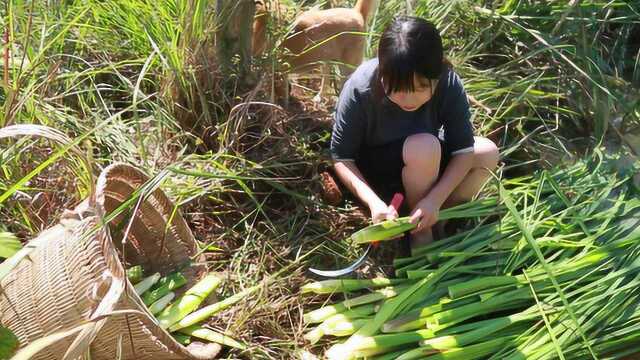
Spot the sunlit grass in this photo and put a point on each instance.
(120, 78)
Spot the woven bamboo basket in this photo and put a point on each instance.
(75, 282)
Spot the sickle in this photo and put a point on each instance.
(395, 203)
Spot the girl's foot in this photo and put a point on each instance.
(439, 230)
(403, 246)
(421, 239)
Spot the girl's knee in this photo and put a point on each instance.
(487, 154)
(421, 150)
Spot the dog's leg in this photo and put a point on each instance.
(286, 85)
(326, 71)
(281, 89)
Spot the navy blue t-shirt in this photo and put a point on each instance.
(366, 118)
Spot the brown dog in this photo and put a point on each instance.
(259, 36)
(320, 37)
(328, 36)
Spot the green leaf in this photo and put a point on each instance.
(385, 230)
(9, 244)
(213, 248)
(8, 343)
(528, 235)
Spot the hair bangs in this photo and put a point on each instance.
(409, 47)
(397, 74)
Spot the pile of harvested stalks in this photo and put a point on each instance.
(556, 275)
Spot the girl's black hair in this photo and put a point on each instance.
(409, 46)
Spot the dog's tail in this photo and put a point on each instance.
(365, 7)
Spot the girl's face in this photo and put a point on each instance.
(411, 101)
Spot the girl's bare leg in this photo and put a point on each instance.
(421, 155)
(485, 159)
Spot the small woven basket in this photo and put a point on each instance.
(75, 282)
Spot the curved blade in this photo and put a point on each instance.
(348, 270)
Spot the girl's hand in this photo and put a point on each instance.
(425, 215)
(381, 212)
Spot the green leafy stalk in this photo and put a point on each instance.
(213, 336)
(135, 274)
(164, 286)
(190, 301)
(527, 234)
(146, 283)
(347, 285)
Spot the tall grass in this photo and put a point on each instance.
(541, 71)
(127, 76)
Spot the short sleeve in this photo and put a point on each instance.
(349, 125)
(455, 115)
